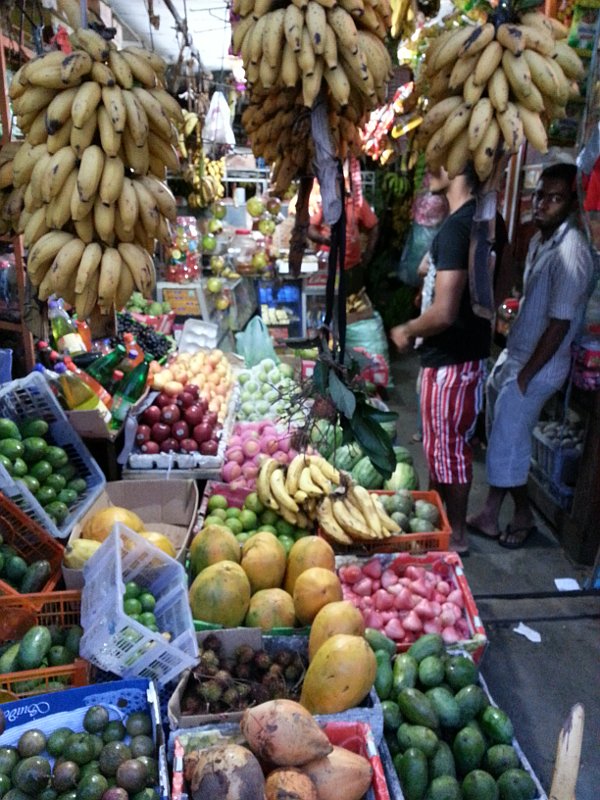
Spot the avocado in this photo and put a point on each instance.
(479, 785)
(56, 456)
(96, 719)
(34, 647)
(132, 776)
(516, 784)
(12, 448)
(35, 447)
(5, 784)
(151, 765)
(8, 429)
(41, 470)
(19, 468)
(31, 743)
(114, 731)
(57, 741)
(113, 754)
(65, 776)
(32, 775)
(141, 745)
(15, 568)
(8, 758)
(92, 787)
(33, 427)
(78, 749)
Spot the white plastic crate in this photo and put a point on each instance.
(31, 398)
(121, 645)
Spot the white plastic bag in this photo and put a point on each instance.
(217, 125)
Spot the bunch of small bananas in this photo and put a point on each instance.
(397, 184)
(11, 199)
(357, 516)
(493, 84)
(403, 18)
(206, 176)
(293, 53)
(99, 137)
(357, 302)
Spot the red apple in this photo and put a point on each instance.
(143, 434)
(202, 432)
(163, 399)
(170, 414)
(209, 448)
(188, 445)
(202, 402)
(151, 415)
(186, 399)
(170, 445)
(150, 448)
(180, 430)
(211, 418)
(160, 431)
(193, 415)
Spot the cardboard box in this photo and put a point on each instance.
(47, 712)
(369, 711)
(168, 507)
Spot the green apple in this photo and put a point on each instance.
(255, 207)
(219, 209)
(209, 243)
(267, 226)
(215, 225)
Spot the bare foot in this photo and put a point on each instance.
(484, 525)
(460, 546)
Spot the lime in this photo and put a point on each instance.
(244, 536)
(234, 525)
(217, 501)
(6, 463)
(45, 495)
(213, 520)
(252, 502)
(132, 589)
(233, 512)
(147, 618)
(12, 448)
(300, 533)
(56, 456)
(41, 470)
(35, 447)
(33, 427)
(147, 601)
(218, 512)
(270, 528)
(78, 485)
(67, 496)
(19, 468)
(56, 482)
(268, 517)
(8, 429)
(248, 519)
(131, 605)
(287, 542)
(284, 528)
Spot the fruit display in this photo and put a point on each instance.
(499, 82)
(102, 757)
(257, 583)
(263, 388)
(248, 444)
(294, 54)
(206, 177)
(446, 737)
(209, 371)
(150, 340)
(40, 646)
(17, 572)
(413, 516)
(99, 137)
(139, 605)
(405, 601)
(142, 305)
(10, 197)
(298, 757)
(29, 456)
(221, 684)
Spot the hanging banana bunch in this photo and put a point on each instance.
(496, 84)
(100, 135)
(293, 53)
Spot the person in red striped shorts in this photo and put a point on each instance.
(453, 344)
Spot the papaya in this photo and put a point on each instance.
(309, 551)
(339, 617)
(213, 544)
(221, 594)
(270, 608)
(263, 561)
(314, 589)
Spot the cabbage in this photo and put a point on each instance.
(428, 511)
(403, 477)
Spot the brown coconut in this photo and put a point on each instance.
(289, 783)
(227, 772)
(340, 771)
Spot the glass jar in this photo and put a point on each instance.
(240, 251)
(506, 315)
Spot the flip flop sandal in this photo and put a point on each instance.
(478, 532)
(510, 532)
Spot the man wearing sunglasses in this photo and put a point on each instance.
(556, 285)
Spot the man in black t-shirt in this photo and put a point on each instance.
(454, 345)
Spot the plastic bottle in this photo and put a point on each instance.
(90, 382)
(116, 379)
(102, 369)
(131, 344)
(64, 331)
(84, 331)
(130, 390)
(77, 395)
(47, 356)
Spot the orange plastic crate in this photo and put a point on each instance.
(406, 542)
(20, 612)
(30, 541)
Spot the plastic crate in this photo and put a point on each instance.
(29, 539)
(560, 464)
(411, 542)
(115, 642)
(30, 398)
(448, 564)
(17, 615)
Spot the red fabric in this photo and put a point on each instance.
(592, 189)
(358, 217)
(450, 402)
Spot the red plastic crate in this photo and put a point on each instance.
(20, 612)
(30, 541)
(444, 563)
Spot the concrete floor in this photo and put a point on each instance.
(537, 684)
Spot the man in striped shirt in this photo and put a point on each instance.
(455, 344)
(536, 362)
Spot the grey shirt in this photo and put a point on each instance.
(556, 285)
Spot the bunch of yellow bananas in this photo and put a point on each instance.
(11, 199)
(403, 18)
(99, 137)
(357, 516)
(491, 85)
(356, 302)
(291, 54)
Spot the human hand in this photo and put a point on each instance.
(401, 337)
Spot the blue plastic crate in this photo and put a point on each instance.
(31, 398)
(273, 295)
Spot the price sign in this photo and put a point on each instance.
(183, 302)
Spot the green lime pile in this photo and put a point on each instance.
(108, 758)
(139, 604)
(42, 467)
(251, 518)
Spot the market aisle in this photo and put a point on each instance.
(536, 683)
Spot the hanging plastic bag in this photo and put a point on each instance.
(254, 343)
(217, 125)
(417, 243)
(369, 335)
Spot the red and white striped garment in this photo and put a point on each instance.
(451, 399)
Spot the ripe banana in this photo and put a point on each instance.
(125, 288)
(456, 122)
(112, 99)
(330, 526)
(533, 128)
(85, 103)
(90, 172)
(59, 110)
(463, 67)
(569, 61)
(542, 74)
(76, 66)
(316, 22)
(458, 154)
(487, 63)
(163, 196)
(81, 138)
(85, 302)
(307, 485)
(478, 40)
(88, 265)
(111, 182)
(318, 478)
(294, 470)
(33, 100)
(43, 253)
(59, 167)
(363, 500)
(512, 38)
(481, 116)
(157, 118)
(104, 221)
(110, 269)
(386, 521)
(148, 212)
(498, 89)
(279, 492)
(292, 27)
(437, 115)
(102, 74)
(59, 139)
(137, 120)
(141, 69)
(511, 127)
(263, 479)
(349, 520)
(128, 205)
(120, 69)
(344, 27)
(451, 47)
(92, 43)
(65, 264)
(110, 140)
(141, 268)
